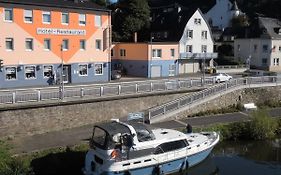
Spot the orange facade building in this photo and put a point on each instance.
(47, 42)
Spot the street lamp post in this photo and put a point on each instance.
(151, 52)
(61, 88)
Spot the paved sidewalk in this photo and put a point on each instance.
(82, 134)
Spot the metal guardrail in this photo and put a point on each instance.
(217, 89)
(99, 90)
(231, 67)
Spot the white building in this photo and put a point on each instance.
(263, 49)
(221, 14)
(196, 45)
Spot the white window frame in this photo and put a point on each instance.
(101, 69)
(189, 48)
(82, 19)
(204, 48)
(204, 34)
(50, 46)
(15, 71)
(49, 14)
(197, 21)
(65, 44)
(12, 44)
(11, 19)
(25, 72)
(98, 44)
(98, 21)
(51, 71)
(28, 14)
(29, 42)
(156, 53)
(83, 46)
(189, 34)
(276, 61)
(123, 52)
(67, 18)
(80, 71)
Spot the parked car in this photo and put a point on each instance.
(221, 77)
(115, 75)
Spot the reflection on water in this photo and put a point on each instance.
(241, 158)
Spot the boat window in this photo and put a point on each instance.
(99, 137)
(170, 146)
(144, 135)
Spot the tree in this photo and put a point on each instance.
(130, 16)
(101, 2)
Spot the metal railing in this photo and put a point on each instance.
(95, 91)
(231, 67)
(211, 91)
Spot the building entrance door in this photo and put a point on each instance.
(66, 76)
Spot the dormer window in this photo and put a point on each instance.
(197, 21)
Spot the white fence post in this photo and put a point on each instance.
(14, 97)
(38, 95)
(101, 91)
(137, 88)
(82, 92)
(119, 89)
(151, 87)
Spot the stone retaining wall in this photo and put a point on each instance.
(45, 119)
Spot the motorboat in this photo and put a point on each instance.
(135, 148)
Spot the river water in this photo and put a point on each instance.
(242, 158)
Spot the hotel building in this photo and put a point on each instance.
(49, 42)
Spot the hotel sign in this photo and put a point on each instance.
(52, 31)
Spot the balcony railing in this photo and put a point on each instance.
(188, 55)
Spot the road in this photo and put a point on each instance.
(82, 134)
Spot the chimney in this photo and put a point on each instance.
(135, 37)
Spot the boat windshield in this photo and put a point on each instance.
(99, 137)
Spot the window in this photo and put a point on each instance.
(98, 21)
(112, 52)
(172, 70)
(28, 44)
(82, 19)
(190, 34)
(170, 146)
(238, 47)
(28, 16)
(48, 71)
(197, 21)
(30, 72)
(47, 44)
(255, 48)
(276, 61)
(265, 48)
(9, 15)
(82, 44)
(83, 70)
(189, 48)
(65, 44)
(9, 44)
(65, 18)
(156, 53)
(264, 61)
(98, 69)
(204, 35)
(98, 44)
(204, 49)
(11, 73)
(46, 17)
(172, 52)
(122, 52)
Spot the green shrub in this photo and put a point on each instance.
(10, 165)
(262, 125)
